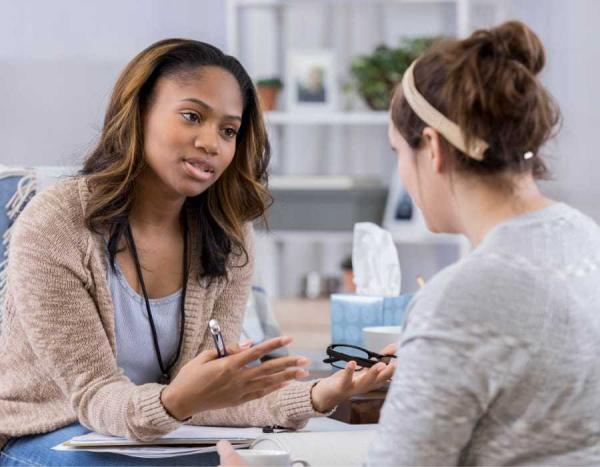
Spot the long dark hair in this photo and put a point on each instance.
(238, 196)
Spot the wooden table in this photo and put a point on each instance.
(359, 409)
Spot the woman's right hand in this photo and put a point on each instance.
(208, 382)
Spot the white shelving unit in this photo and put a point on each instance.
(326, 118)
(463, 12)
(272, 246)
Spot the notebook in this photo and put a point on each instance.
(185, 435)
(188, 439)
(184, 441)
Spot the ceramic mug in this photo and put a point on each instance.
(268, 457)
(377, 337)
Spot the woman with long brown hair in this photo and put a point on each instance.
(114, 275)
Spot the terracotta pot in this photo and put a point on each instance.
(348, 281)
(267, 97)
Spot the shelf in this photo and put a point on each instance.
(409, 237)
(273, 27)
(280, 3)
(326, 118)
(322, 182)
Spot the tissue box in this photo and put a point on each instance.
(350, 313)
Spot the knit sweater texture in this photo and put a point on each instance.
(498, 363)
(57, 344)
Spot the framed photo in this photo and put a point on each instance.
(310, 80)
(401, 215)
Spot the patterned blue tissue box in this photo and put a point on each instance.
(351, 313)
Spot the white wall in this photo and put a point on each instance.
(59, 60)
(570, 31)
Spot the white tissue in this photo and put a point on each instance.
(375, 261)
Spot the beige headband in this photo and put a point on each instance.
(435, 119)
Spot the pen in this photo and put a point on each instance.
(274, 429)
(215, 330)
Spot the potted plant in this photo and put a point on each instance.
(268, 90)
(374, 76)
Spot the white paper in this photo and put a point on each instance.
(375, 261)
(185, 434)
(196, 433)
(148, 452)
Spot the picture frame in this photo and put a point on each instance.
(310, 80)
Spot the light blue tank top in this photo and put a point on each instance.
(135, 348)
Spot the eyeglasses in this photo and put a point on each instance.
(340, 354)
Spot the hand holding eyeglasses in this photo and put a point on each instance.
(333, 390)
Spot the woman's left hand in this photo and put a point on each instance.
(333, 390)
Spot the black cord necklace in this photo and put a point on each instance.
(164, 377)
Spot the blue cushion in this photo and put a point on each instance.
(8, 187)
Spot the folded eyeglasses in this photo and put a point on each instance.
(340, 354)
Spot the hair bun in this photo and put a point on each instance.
(487, 85)
(515, 41)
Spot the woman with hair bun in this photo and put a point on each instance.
(498, 362)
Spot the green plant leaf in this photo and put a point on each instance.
(375, 76)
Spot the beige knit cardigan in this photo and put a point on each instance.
(57, 345)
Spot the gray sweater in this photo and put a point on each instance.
(499, 361)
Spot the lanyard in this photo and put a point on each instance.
(164, 377)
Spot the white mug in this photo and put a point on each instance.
(376, 338)
(267, 457)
